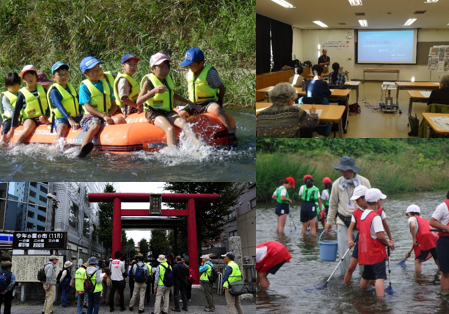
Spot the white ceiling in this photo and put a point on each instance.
(333, 12)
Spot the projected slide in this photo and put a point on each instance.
(392, 46)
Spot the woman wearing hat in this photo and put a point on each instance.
(66, 283)
(283, 202)
(340, 204)
(309, 194)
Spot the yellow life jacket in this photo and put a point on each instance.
(162, 273)
(35, 106)
(69, 101)
(12, 100)
(149, 267)
(236, 274)
(97, 98)
(159, 101)
(98, 285)
(135, 88)
(199, 89)
(80, 276)
(110, 77)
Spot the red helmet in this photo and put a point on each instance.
(290, 180)
(307, 176)
(327, 180)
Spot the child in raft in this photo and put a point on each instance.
(158, 94)
(63, 101)
(270, 256)
(424, 242)
(283, 202)
(372, 243)
(9, 98)
(359, 197)
(98, 101)
(309, 194)
(31, 105)
(126, 88)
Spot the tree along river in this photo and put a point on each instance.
(204, 163)
(287, 293)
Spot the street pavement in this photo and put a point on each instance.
(196, 306)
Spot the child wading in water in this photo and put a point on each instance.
(283, 202)
(309, 194)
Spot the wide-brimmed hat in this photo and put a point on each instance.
(68, 264)
(206, 257)
(43, 79)
(93, 260)
(359, 191)
(346, 163)
(162, 258)
(53, 257)
(413, 209)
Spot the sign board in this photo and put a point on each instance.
(155, 204)
(40, 240)
(25, 267)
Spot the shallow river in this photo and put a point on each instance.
(205, 163)
(287, 292)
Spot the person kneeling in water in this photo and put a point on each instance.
(270, 256)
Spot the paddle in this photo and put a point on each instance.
(325, 284)
(389, 289)
(402, 262)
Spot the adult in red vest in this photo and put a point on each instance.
(440, 220)
(372, 242)
(270, 256)
(424, 241)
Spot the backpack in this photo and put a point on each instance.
(140, 274)
(169, 279)
(5, 280)
(58, 278)
(192, 276)
(89, 287)
(41, 274)
(213, 275)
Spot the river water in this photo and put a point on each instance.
(204, 163)
(287, 292)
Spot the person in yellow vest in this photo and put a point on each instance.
(205, 272)
(158, 94)
(94, 274)
(63, 101)
(206, 90)
(80, 276)
(12, 84)
(97, 98)
(159, 287)
(31, 105)
(126, 88)
(232, 273)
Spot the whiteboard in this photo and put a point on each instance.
(25, 267)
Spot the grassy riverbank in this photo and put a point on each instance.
(41, 32)
(390, 165)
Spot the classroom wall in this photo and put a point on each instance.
(305, 44)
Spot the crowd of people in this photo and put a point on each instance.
(101, 97)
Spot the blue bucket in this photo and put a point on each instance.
(328, 249)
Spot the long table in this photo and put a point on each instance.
(432, 127)
(380, 70)
(330, 113)
(414, 86)
(415, 96)
(354, 85)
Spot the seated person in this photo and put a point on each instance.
(336, 78)
(440, 96)
(282, 119)
(317, 87)
(296, 80)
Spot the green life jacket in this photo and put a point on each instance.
(199, 89)
(110, 77)
(236, 274)
(69, 101)
(97, 98)
(278, 194)
(98, 286)
(163, 101)
(310, 195)
(162, 273)
(35, 106)
(135, 88)
(12, 100)
(149, 267)
(206, 274)
(80, 276)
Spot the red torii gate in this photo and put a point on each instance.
(190, 199)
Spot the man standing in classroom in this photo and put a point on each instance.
(324, 61)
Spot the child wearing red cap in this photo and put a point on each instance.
(309, 194)
(283, 202)
(326, 194)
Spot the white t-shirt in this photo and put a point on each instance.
(376, 225)
(261, 253)
(283, 191)
(382, 215)
(413, 218)
(325, 195)
(301, 190)
(117, 269)
(441, 214)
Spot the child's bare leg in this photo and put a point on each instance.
(221, 115)
(278, 223)
(93, 130)
(118, 119)
(165, 125)
(352, 267)
(263, 280)
(62, 130)
(418, 263)
(304, 227)
(28, 127)
(380, 289)
(181, 123)
(445, 281)
(313, 226)
(364, 284)
(282, 220)
(437, 263)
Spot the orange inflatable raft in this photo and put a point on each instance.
(137, 134)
